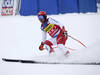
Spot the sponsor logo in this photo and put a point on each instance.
(49, 27)
(7, 7)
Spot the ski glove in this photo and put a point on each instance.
(41, 46)
(64, 31)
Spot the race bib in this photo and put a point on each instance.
(48, 28)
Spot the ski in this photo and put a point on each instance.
(19, 60)
(43, 62)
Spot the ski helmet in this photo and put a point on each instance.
(43, 13)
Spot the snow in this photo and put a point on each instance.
(20, 38)
(31, 69)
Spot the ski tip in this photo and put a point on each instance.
(3, 59)
(10, 60)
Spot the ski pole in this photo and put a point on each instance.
(67, 48)
(77, 41)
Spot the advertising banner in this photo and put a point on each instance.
(7, 7)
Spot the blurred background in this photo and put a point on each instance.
(31, 7)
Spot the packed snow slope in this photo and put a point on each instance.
(20, 38)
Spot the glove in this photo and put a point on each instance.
(64, 31)
(41, 46)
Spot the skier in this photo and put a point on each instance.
(55, 30)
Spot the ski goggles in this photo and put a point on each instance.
(40, 17)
